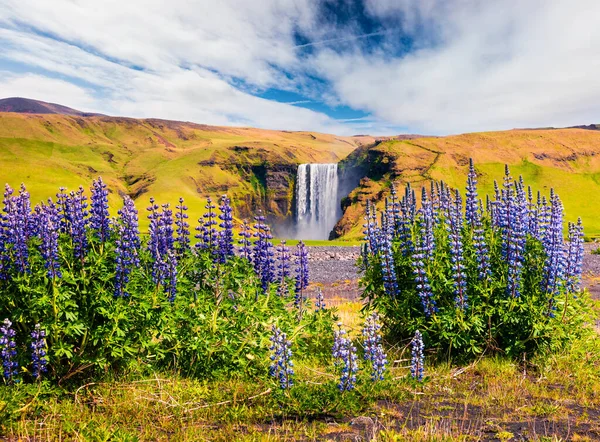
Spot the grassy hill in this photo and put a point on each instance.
(257, 168)
(567, 160)
(163, 159)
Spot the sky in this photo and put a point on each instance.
(377, 67)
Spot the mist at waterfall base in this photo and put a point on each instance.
(317, 200)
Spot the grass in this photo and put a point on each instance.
(551, 398)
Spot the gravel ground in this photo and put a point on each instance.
(333, 269)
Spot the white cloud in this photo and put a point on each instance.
(473, 65)
(39, 87)
(495, 65)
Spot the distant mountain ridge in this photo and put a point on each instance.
(28, 106)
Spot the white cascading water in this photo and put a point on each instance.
(317, 202)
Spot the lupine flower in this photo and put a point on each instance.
(543, 211)
(262, 253)
(8, 353)
(210, 233)
(283, 268)
(421, 278)
(513, 235)
(369, 227)
(127, 245)
(49, 233)
(17, 228)
(344, 355)
(574, 257)
(302, 272)
(182, 228)
(417, 362)
(225, 249)
(171, 276)
(373, 348)
(480, 245)
(471, 196)
(320, 300)
(407, 211)
(245, 242)
(390, 282)
(554, 267)
(39, 359)
(161, 239)
(77, 213)
(428, 224)
(455, 226)
(99, 217)
(282, 366)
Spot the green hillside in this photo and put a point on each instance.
(567, 160)
(163, 159)
(257, 168)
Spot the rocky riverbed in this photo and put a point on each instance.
(334, 270)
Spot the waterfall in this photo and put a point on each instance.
(317, 200)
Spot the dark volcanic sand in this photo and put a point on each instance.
(333, 269)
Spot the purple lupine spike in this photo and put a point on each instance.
(407, 219)
(99, 217)
(225, 249)
(574, 262)
(127, 246)
(8, 353)
(182, 228)
(421, 279)
(543, 222)
(454, 227)
(521, 199)
(49, 233)
(428, 223)
(76, 205)
(344, 355)
(282, 367)
(209, 231)
(161, 239)
(390, 283)
(4, 244)
(554, 267)
(513, 235)
(471, 196)
(16, 224)
(283, 268)
(39, 358)
(480, 245)
(245, 242)
(262, 253)
(417, 362)
(374, 352)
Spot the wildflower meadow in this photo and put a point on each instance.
(89, 302)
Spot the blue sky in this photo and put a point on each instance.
(346, 67)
